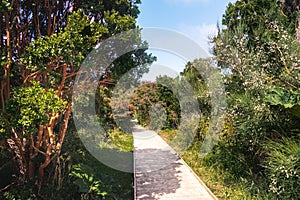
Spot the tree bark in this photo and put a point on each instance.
(64, 127)
(5, 84)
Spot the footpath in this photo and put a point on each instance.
(160, 173)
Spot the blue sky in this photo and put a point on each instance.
(197, 19)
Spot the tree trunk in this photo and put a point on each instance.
(5, 83)
(63, 128)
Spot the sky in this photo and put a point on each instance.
(196, 19)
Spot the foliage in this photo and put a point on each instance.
(124, 141)
(259, 50)
(84, 179)
(287, 99)
(220, 181)
(92, 181)
(279, 96)
(41, 53)
(87, 171)
(249, 123)
(192, 74)
(254, 20)
(197, 81)
(35, 106)
(168, 134)
(283, 167)
(155, 105)
(168, 98)
(4, 5)
(103, 107)
(142, 100)
(70, 46)
(80, 176)
(259, 55)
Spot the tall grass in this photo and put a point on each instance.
(283, 168)
(221, 182)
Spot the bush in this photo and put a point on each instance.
(156, 106)
(283, 167)
(248, 122)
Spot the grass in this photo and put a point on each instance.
(218, 181)
(117, 184)
(167, 134)
(82, 175)
(221, 183)
(123, 141)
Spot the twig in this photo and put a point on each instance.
(6, 187)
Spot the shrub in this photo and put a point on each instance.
(283, 167)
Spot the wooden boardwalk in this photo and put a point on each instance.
(160, 173)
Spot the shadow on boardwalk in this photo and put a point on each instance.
(157, 183)
(160, 173)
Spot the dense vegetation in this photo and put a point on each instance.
(43, 44)
(260, 47)
(258, 152)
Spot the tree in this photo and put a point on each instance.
(291, 8)
(42, 46)
(254, 20)
(155, 105)
(266, 47)
(259, 48)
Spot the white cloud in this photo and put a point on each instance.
(200, 33)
